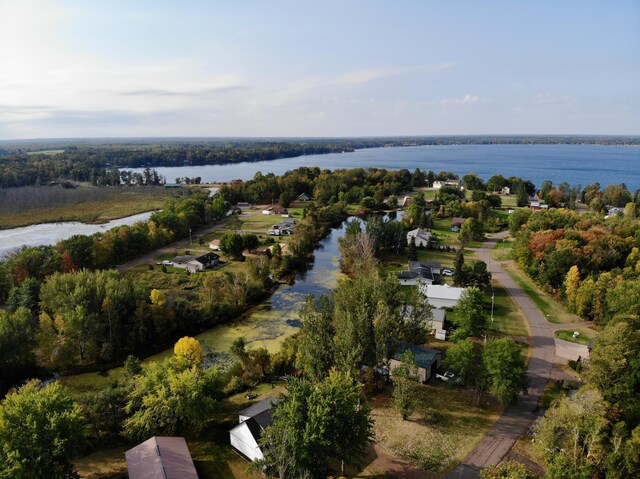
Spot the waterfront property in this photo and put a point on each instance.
(427, 360)
(245, 437)
(161, 458)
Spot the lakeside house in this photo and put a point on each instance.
(161, 458)
(421, 237)
(427, 360)
(453, 183)
(245, 437)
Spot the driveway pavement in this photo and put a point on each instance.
(516, 419)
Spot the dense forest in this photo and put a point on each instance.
(31, 162)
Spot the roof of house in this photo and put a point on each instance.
(457, 221)
(424, 264)
(183, 259)
(416, 270)
(424, 356)
(419, 233)
(259, 407)
(207, 257)
(444, 292)
(161, 458)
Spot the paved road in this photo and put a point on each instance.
(516, 419)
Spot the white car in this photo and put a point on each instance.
(447, 272)
(446, 376)
(166, 262)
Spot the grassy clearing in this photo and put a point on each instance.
(45, 152)
(507, 318)
(445, 427)
(585, 335)
(84, 204)
(553, 311)
(502, 250)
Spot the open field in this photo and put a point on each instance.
(553, 311)
(45, 152)
(88, 204)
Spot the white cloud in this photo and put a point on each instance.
(468, 99)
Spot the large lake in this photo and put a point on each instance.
(575, 164)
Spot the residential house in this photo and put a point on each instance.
(427, 360)
(215, 245)
(161, 458)
(245, 437)
(193, 264)
(439, 184)
(505, 190)
(418, 273)
(304, 197)
(421, 237)
(243, 206)
(442, 296)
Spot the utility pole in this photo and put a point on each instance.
(189, 235)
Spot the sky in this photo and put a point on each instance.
(287, 68)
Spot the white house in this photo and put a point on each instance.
(215, 245)
(439, 184)
(442, 296)
(194, 264)
(245, 437)
(422, 237)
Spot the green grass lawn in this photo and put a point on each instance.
(502, 250)
(585, 335)
(507, 318)
(392, 264)
(553, 311)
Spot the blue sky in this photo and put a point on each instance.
(308, 68)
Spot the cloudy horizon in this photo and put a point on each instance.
(293, 68)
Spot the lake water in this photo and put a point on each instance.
(51, 233)
(576, 164)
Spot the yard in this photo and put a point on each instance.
(585, 335)
(445, 427)
(502, 250)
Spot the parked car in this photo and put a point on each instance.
(250, 396)
(447, 272)
(166, 262)
(447, 376)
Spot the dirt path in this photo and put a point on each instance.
(516, 419)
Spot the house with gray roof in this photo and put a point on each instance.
(161, 458)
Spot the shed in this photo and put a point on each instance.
(427, 360)
(161, 458)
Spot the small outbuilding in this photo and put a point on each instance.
(245, 437)
(427, 360)
(161, 458)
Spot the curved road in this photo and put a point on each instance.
(516, 419)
